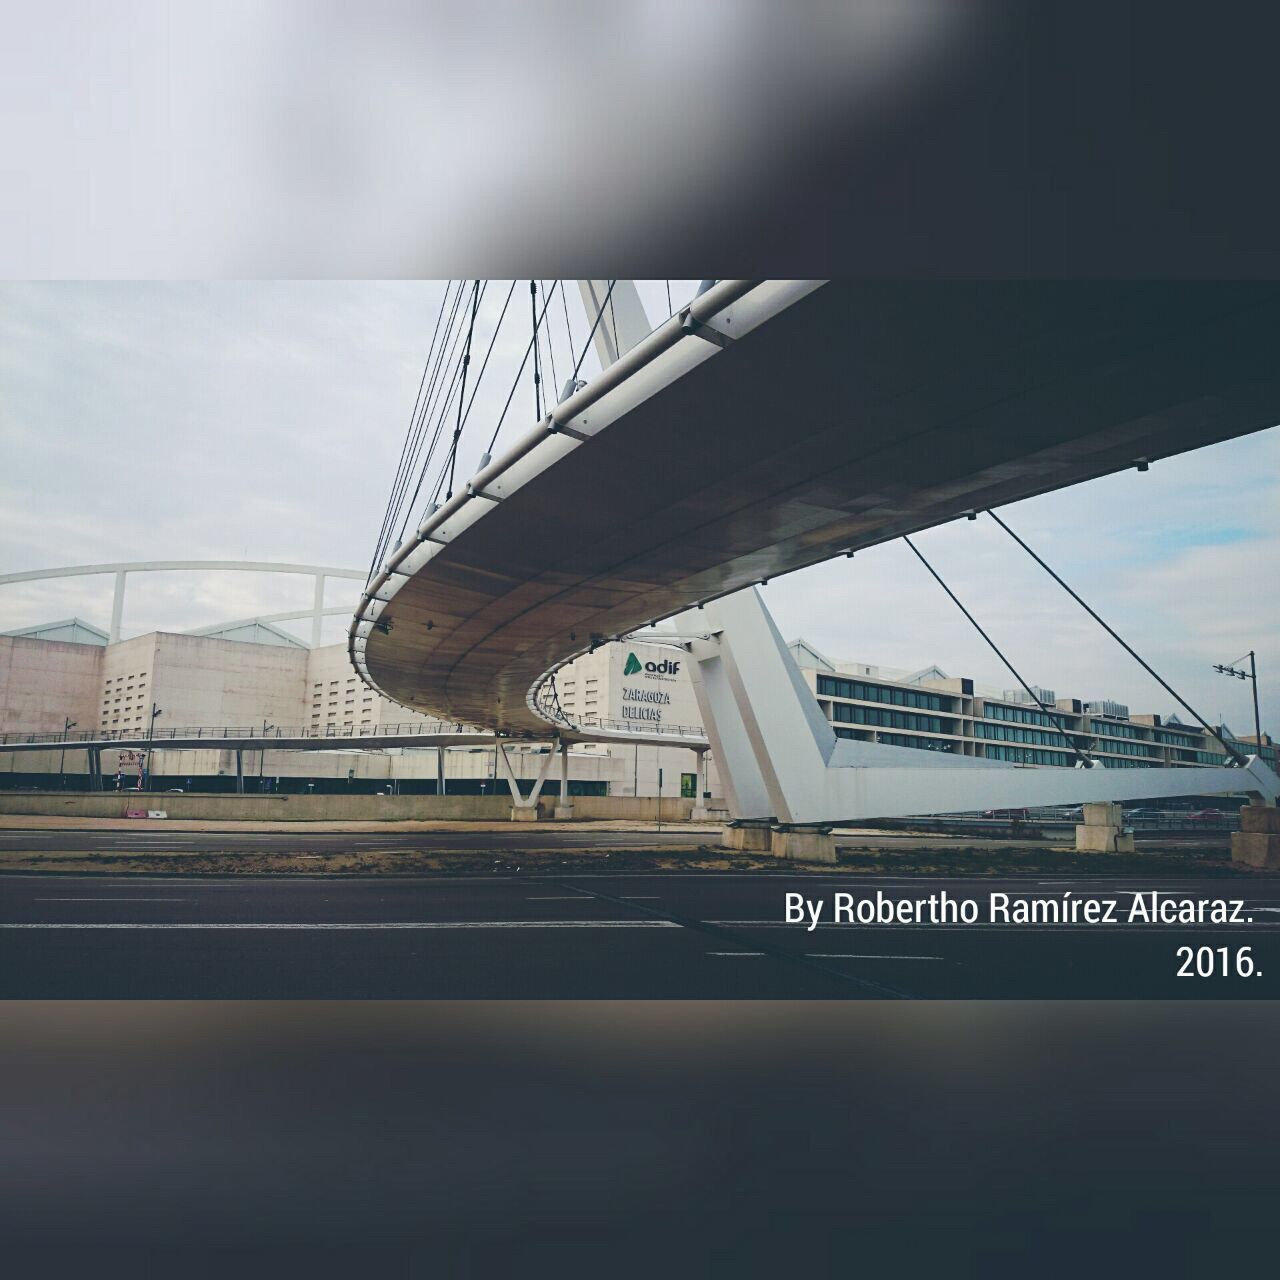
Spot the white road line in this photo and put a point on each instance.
(735, 953)
(112, 899)
(385, 924)
(830, 955)
(640, 897)
(569, 897)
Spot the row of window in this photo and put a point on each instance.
(896, 740)
(831, 686)
(1020, 715)
(1126, 748)
(1036, 737)
(1027, 755)
(1111, 729)
(889, 719)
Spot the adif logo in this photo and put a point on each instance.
(667, 667)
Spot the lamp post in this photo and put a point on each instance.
(1230, 669)
(151, 732)
(67, 726)
(262, 755)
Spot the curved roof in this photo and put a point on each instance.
(775, 424)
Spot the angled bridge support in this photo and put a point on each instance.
(782, 762)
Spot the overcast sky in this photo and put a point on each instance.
(264, 421)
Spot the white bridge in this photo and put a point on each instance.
(771, 425)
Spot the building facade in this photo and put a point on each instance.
(261, 676)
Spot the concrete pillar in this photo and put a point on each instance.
(117, 607)
(524, 813)
(803, 844)
(317, 616)
(95, 769)
(699, 811)
(1102, 830)
(564, 806)
(441, 785)
(748, 836)
(1257, 843)
(239, 772)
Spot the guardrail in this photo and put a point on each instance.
(267, 732)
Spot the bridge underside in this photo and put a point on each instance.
(852, 413)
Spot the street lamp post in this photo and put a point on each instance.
(262, 755)
(1230, 669)
(67, 726)
(151, 731)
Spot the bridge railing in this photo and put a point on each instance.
(265, 732)
(339, 733)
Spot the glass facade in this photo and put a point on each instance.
(833, 687)
(1027, 755)
(999, 729)
(1036, 737)
(1020, 715)
(884, 718)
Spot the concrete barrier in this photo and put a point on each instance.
(331, 808)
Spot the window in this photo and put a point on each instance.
(861, 691)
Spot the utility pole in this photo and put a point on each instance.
(1231, 669)
(68, 725)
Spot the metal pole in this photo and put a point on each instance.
(68, 724)
(1257, 718)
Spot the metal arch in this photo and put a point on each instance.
(163, 566)
(122, 570)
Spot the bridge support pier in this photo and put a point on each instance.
(95, 769)
(699, 811)
(524, 809)
(749, 835)
(239, 772)
(802, 844)
(1257, 843)
(1102, 830)
(564, 805)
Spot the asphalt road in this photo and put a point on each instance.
(597, 935)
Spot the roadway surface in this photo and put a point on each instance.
(587, 934)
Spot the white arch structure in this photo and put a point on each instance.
(122, 571)
(775, 424)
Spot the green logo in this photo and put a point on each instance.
(633, 665)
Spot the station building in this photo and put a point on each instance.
(256, 674)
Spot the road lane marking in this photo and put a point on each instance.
(382, 924)
(736, 953)
(567, 897)
(835, 955)
(112, 899)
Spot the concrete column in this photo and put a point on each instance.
(1257, 843)
(803, 844)
(95, 769)
(239, 772)
(117, 607)
(699, 811)
(1102, 830)
(564, 806)
(441, 785)
(317, 616)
